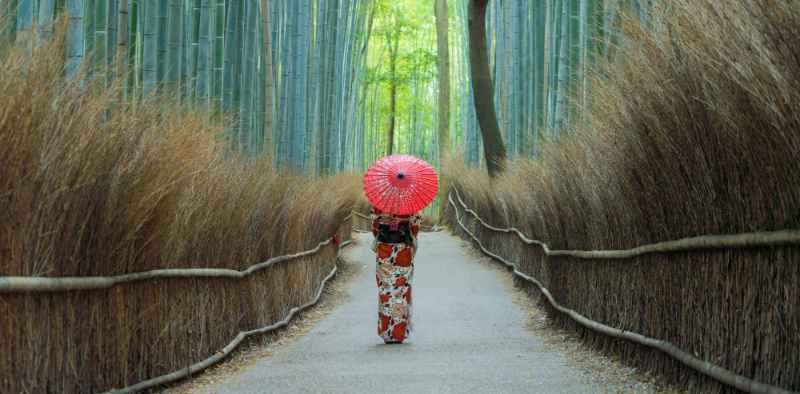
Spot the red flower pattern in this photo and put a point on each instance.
(399, 332)
(403, 258)
(384, 250)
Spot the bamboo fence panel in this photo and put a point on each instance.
(71, 336)
(230, 347)
(703, 242)
(721, 374)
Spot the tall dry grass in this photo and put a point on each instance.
(694, 129)
(91, 185)
(92, 191)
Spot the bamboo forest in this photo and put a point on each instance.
(201, 196)
(365, 69)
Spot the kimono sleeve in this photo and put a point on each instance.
(373, 215)
(414, 222)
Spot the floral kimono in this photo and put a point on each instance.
(394, 271)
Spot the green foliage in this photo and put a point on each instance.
(411, 23)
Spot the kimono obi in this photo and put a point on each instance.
(394, 232)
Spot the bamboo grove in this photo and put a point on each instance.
(292, 96)
(336, 84)
(541, 53)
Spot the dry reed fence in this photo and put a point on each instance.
(361, 222)
(692, 130)
(624, 295)
(91, 340)
(92, 186)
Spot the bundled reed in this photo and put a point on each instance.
(693, 130)
(94, 186)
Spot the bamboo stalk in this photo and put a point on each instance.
(702, 242)
(122, 47)
(268, 80)
(44, 19)
(709, 369)
(204, 63)
(149, 47)
(75, 43)
(24, 22)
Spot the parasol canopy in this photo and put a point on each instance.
(400, 184)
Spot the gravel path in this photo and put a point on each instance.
(469, 336)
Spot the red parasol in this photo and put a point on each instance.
(400, 184)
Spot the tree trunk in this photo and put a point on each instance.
(494, 150)
(440, 9)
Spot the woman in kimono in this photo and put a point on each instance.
(395, 246)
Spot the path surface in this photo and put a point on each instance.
(469, 337)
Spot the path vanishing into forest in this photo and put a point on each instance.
(469, 336)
